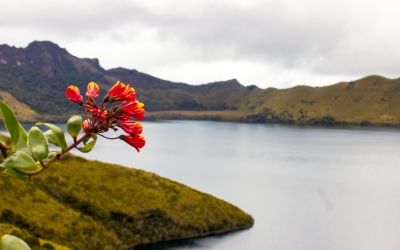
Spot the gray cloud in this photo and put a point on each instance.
(264, 32)
(324, 37)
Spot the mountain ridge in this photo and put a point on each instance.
(38, 75)
(45, 69)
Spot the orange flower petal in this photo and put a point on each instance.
(92, 90)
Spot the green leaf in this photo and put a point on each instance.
(15, 174)
(11, 122)
(2, 142)
(10, 242)
(85, 140)
(58, 134)
(51, 138)
(94, 136)
(38, 143)
(20, 160)
(51, 154)
(88, 147)
(74, 126)
(22, 144)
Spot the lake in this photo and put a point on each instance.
(306, 187)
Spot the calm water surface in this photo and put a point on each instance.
(307, 188)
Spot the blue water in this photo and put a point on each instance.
(306, 187)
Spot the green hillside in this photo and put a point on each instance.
(38, 75)
(86, 204)
(369, 100)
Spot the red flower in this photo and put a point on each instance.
(92, 90)
(129, 95)
(91, 110)
(135, 141)
(140, 115)
(131, 127)
(73, 94)
(103, 115)
(133, 109)
(85, 125)
(120, 92)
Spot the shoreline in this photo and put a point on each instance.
(195, 236)
(223, 116)
(248, 117)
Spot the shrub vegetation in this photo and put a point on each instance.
(113, 207)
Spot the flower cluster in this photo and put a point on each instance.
(116, 111)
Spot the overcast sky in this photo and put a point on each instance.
(270, 43)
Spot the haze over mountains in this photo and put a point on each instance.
(38, 75)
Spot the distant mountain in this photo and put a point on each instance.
(38, 75)
(370, 100)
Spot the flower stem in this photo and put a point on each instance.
(109, 137)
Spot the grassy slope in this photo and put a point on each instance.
(86, 204)
(213, 115)
(20, 109)
(371, 99)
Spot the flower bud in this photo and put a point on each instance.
(118, 110)
(73, 95)
(86, 125)
(135, 141)
(120, 92)
(92, 90)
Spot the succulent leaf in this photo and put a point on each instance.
(58, 134)
(74, 126)
(11, 122)
(85, 140)
(51, 138)
(20, 160)
(89, 146)
(15, 174)
(22, 144)
(38, 144)
(10, 242)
